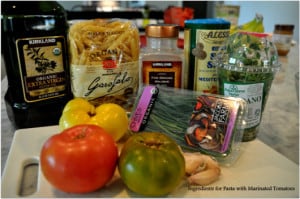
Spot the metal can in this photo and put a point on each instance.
(202, 40)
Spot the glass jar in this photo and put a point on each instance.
(161, 59)
(282, 38)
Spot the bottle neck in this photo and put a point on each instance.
(161, 43)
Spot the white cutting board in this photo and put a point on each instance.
(259, 167)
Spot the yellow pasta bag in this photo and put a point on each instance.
(104, 61)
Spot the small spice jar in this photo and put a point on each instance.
(282, 37)
(161, 59)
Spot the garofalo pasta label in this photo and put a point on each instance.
(93, 82)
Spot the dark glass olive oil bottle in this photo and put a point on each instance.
(34, 48)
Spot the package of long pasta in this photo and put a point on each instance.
(104, 55)
(209, 123)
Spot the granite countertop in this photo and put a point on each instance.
(280, 123)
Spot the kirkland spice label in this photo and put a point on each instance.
(166, 73)
(41, 65)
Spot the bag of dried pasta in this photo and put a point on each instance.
(104, 58)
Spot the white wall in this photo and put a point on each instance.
(274, 12)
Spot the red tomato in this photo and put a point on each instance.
(80, 159)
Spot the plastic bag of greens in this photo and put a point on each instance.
(208, 123)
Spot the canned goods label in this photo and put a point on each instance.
(203, 38)
(207, 44)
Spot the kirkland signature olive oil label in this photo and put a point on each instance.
(41, 66)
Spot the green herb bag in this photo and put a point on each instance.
(208, 123)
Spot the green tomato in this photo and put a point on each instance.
(151, 164)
